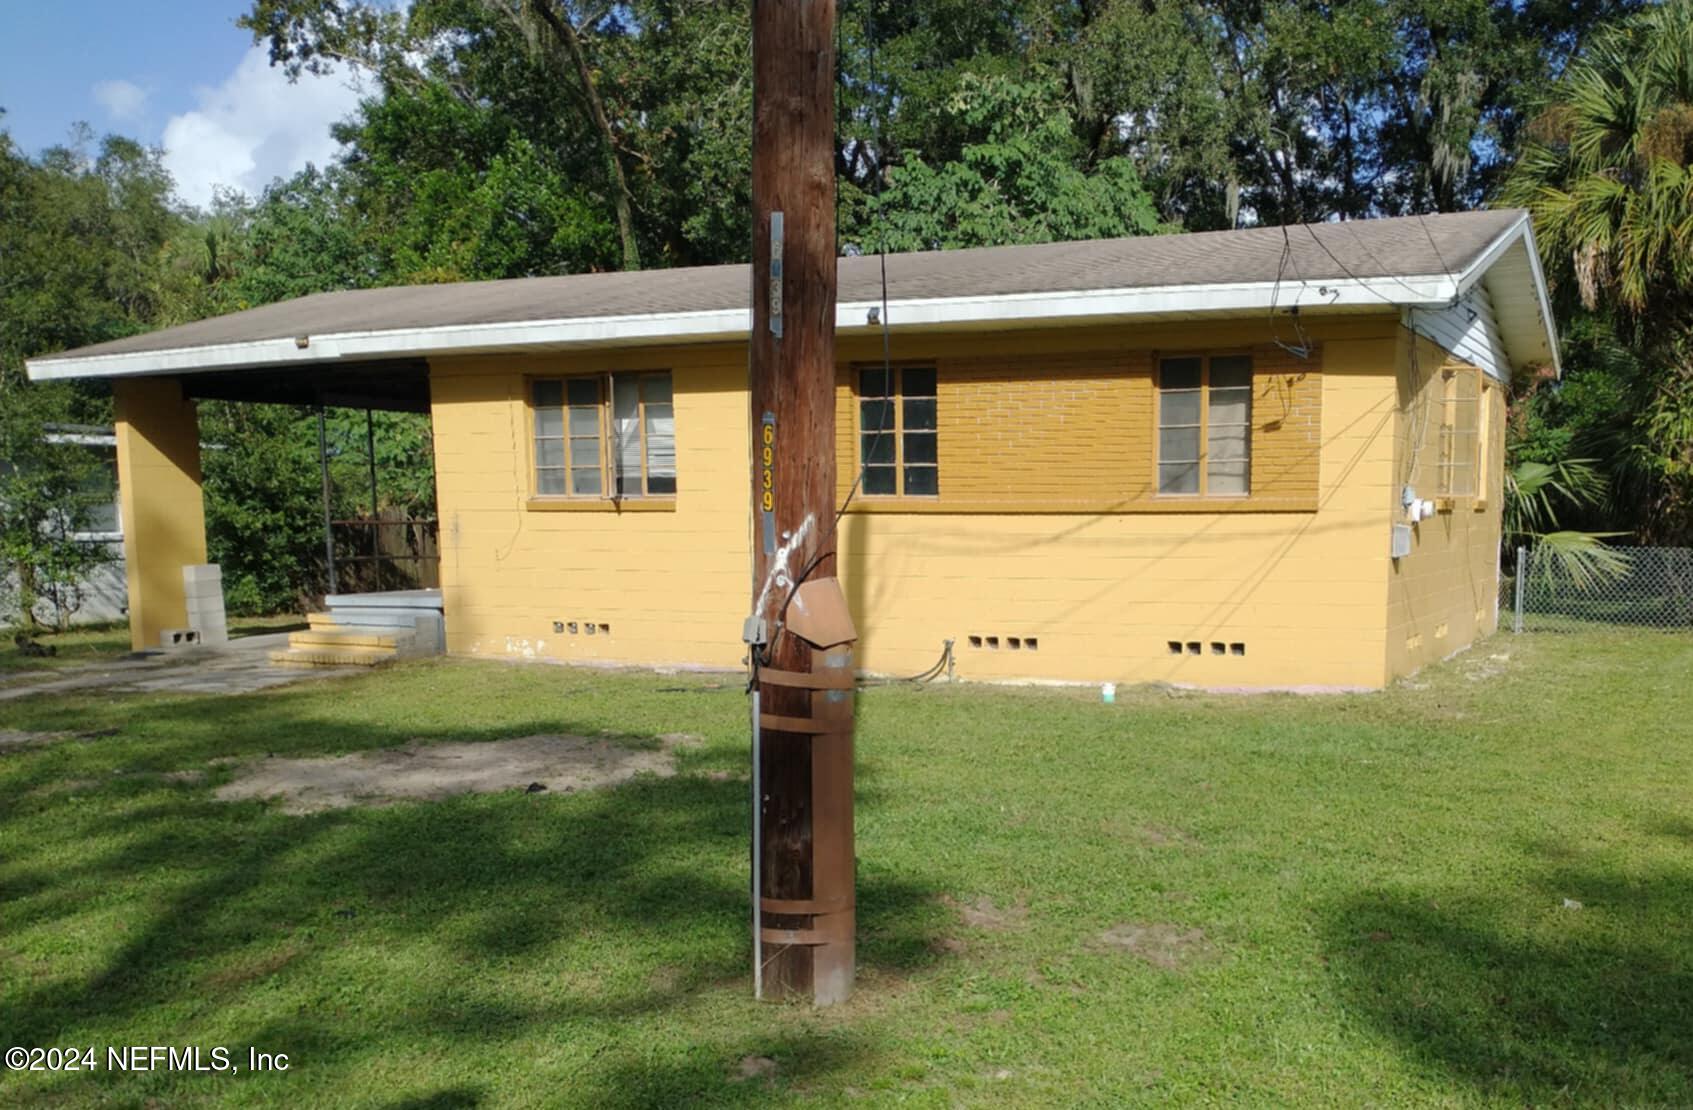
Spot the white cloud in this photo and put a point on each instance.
(122, 100)
(254, 127)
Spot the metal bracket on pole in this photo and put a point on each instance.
(776, 274)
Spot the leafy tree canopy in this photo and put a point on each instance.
(1017, 180)
(1606, 173)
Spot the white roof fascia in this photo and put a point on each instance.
(1540, 296)
(731, 324)
(1522, 230)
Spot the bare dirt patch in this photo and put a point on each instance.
(754, 1067)
(18, 738)
(982, 913)
(1160, 944)
(244, 972)
(427, 772)
(1163, 836)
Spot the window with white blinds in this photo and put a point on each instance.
(608, 436)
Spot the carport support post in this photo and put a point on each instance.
(375, 527)
(164, 518)
(805, 915)
(323, 468)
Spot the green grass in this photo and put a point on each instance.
(102, 643)
(1379, 881)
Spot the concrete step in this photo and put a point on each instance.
(424, 600)
(332, 657)
(339, 637)
(411, 613)
(368, 618)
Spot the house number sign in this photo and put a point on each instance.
(767, 480)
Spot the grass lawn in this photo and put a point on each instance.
(1338, 900)
(99, 643)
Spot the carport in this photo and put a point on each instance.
(158, 441)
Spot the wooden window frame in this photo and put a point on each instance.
(1205, 358)
(896, 397)
(608, 495)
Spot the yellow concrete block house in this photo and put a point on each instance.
(1266, 458)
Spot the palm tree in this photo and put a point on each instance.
(1534, 491)
(1607, 173)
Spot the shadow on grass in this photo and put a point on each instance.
(1526, 997)
(486, 919)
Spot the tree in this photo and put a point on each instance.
(1269, 111)
(304, 235)
(264, 508)
(1607, 172)
(1019, 182)
(1536, 494)
(49, 490)
(439, 191)
(80, 235)
(498, 58)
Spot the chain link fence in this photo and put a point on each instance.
(1649, 588)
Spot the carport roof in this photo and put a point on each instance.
(1358, 266)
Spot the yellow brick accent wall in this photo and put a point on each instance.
(1287, 425)
(1048, 433)
(1444, 595)
(1077, 432)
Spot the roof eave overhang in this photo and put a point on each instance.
(1021, 310)
(1520, 235)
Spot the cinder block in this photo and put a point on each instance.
(202, 587)
(175, 638)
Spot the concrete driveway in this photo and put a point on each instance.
(241, 667)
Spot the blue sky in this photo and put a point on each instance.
(172, 73)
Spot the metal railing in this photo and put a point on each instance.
(1649, 588)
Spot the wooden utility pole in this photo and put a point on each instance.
(801, 637)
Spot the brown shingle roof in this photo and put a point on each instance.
(1402, 246)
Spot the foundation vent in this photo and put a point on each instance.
(980, 642)
(581, 628)
(1200, 647)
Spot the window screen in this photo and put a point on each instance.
(1228, 427)
(605, 436)
(1181, 398)
(1460, 431)
(899, 431)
